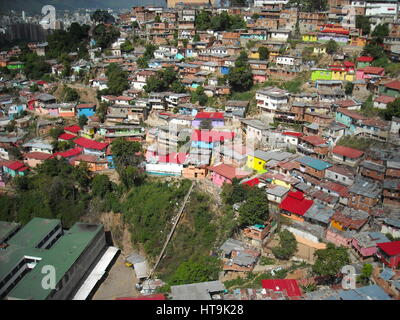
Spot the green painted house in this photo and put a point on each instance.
(15, 65)
(320, 74)
(391, 89)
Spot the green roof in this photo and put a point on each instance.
(33, 232)
(62, 255)
(7, 228)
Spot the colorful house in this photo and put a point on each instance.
(366, 243)
(370, 73)
(364, 61)
(91, 146)
(295, 205)
(391, 88)
(15, 65)
(216, 118)
(205, 139)
(14, 168)
(389, 253)
(224, 173)
(257, 160)
(320, 74)
(34, 159)
(87, 109)
(309, 37)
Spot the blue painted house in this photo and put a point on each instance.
(15, 110)
(88, 109)
(225, 70)
(14, 168)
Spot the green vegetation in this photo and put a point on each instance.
(199, 96)
(265, 261)
(310, 5)
(127, 46)
(164, 80)
(219, 22)
(58, 190)
(331, 46)
(102, 16)
(330, 261)
(392, 110)
(287, 246)
(362, 22)
(240, 77)
(82, 120)
(366, 272)
(105, 35)
(69, 94)
(35, 67)
(264, 53)
(356, 142)
(117, 80)
(348, 88)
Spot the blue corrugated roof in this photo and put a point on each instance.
(314, 163)
(372, 292)
(387, 274)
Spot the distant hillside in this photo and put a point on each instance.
(35, 6)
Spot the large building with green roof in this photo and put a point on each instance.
(27, 253)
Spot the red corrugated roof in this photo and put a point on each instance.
(314, 140)
(296, 203)
(393, 85)
(290, 286)
(73, 129)
(391, 248)
(335, 30)
(347, 152)
(90, 144)
(211, 136)
(351, 114)
(210, 115)
(373, 70)
(384, 99)
(365, 59)
(253, 182)
(37, 155)
(15, 165)
(290, 133)
(66, 136)
(69, 153)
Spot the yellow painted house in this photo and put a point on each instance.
(254, 55)
(319, 50)
(257, 161)
(309, 37)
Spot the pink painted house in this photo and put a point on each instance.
(369, 73)
(225, 173)
(34, 159)
(366, 243)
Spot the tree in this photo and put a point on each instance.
(287, 246)
(142, 63)
(102, 16)
(202, 21)
(264, 53)
(392, 110)
(131, 176)
(69, 94)
(82, 120)
(365, 275)
(125, 152)
(199, 96)
(374, 50)
(330, 261)
(331, 46)
(34, 88)
(178, 87)
(10, 127)
(241, 77)
(117, 79)
(255, 208)
(56, 132)
(127, 46)
(348, 89)
(234, 193)
(380, 31)
(105, 35)
(157, 19)
(255, 16)
(362, 22)
(101, 185)
(196, 38)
